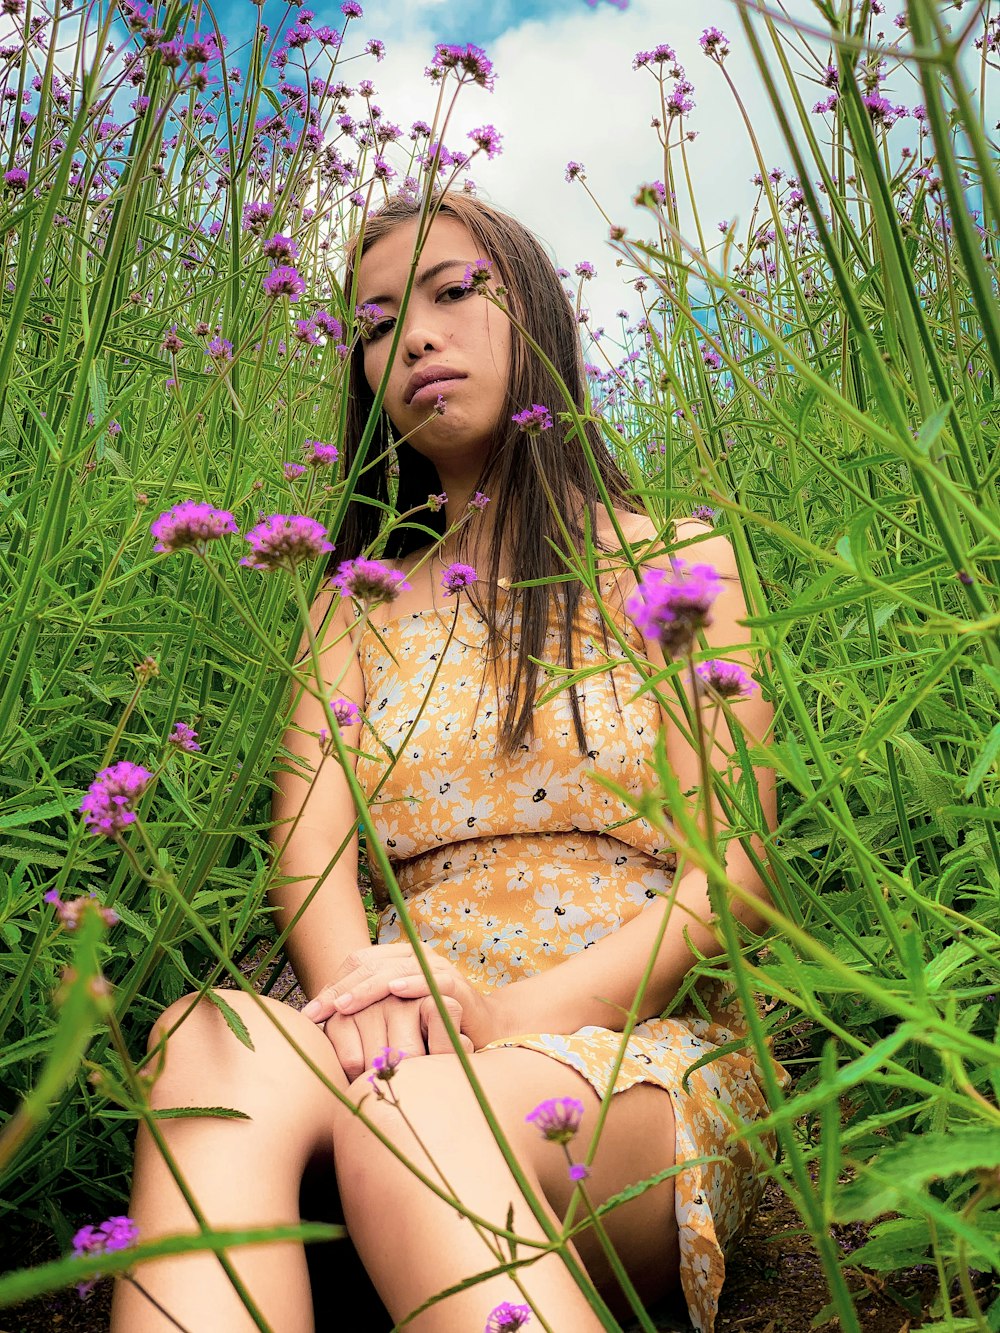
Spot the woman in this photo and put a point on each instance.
(538, 893)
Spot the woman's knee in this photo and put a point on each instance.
(244, 1037)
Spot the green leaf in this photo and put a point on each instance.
(233, 1021)
(986, 760)
(18, 818)
(919, 1159)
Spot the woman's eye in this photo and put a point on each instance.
(380, 329)
(456, 293)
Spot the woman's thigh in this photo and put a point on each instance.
(637, 1141)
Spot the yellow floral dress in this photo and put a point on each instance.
(511, 864)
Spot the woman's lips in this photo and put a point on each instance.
(428, 393)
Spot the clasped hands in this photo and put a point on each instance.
(380, 997)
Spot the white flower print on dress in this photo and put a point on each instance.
(558, 910)
(536, 792)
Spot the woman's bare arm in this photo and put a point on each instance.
(313, 813)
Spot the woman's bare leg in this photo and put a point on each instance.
(242, 1173)
(414, 1245)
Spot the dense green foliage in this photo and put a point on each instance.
(827, 383)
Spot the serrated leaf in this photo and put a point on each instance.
(233, 1021)
(185, 1112)
(892, 1245)
(18, 818)
(917, 1160)
(986, 760)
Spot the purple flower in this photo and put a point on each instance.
(385, 1064)
(282, 249)
(345, 712)
(711, 357)
(533, 420)
(507, 1318)
(190, 526)
(575, 171)
(558, 1119)
(328, 325)
(108, 805)
(293, 471)
(317, 454)
(283, 281)
(220, 349)
(469, 62)
(367, 317)
(488, 140)
(256, 216)
(479, 501)
(705, 513)
(477, 274)
(117, 1233)
(376, 48)
(456, 577)
(715, 44)
(368, 581)
(435, 503)
(671, 606)
(725, 678)
(71, 913)
(184, 738)
(352, 10)
(16, 180)
(283, 541)
(585, 269)
(578, 1171)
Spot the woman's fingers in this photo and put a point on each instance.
(345, 1038)
(435, 1032)
(367, 980)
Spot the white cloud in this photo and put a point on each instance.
(566, 90)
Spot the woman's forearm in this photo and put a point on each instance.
(598, 985)
(334, 923)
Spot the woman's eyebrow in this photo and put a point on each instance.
(428, 275)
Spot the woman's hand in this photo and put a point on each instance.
(383, 972)
(411, 1026)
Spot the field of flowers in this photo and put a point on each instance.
(824, 385)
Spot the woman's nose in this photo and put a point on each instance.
(418, 341)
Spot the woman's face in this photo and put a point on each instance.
(454, 343)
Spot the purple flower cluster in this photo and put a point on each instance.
(469, 63)
(190, 526)
(488, 140)
(557, 1119)
(184, 738)
(281, 249)
(672, 606)
(479, 501)
(533, 420)
(367, 317)
(109, 805)
(714, 43)
(317, 454)
(345, 713)
(16, 179)
(70, 913)
(726, 679)
(477, 275)
(283, 541)
(283, 280)
(507, 1318)
(457, 576)
(368, 581)
(117, 1233)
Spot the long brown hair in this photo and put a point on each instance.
(524, 523)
